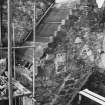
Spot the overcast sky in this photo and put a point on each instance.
(100, 3)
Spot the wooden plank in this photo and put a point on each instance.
(21, 91)
(93, 96)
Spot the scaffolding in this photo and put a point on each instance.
(10, 90)
(12, 47)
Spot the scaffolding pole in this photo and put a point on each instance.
(13, 27)
(0, 28)
(18, 47)
(0, 24)
(34, 60)
(9, 55)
